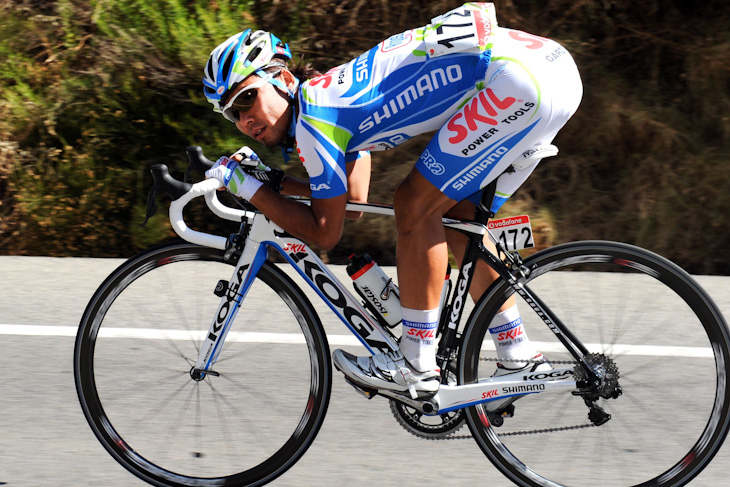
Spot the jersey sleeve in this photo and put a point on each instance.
(322, 149)
(353, 156)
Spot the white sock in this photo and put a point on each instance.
(510, 338)
(418, 339)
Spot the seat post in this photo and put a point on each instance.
(484, 212)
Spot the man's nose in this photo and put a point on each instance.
(245, 121)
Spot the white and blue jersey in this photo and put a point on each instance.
(440, 77)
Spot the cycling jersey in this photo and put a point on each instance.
(432, 78)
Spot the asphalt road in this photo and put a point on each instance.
(45, 440)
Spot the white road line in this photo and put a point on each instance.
(334, 340)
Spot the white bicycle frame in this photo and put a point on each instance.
(264, 234)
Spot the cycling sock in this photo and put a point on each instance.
(510, 338)
(418, 340)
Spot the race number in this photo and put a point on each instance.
(461, 29)
(515, 232)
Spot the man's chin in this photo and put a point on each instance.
(271, 144)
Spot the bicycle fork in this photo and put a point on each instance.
(232, 294)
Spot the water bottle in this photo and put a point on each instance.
(378, 290)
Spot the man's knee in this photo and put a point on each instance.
(464, 210)
(407, 198)
(415, 197)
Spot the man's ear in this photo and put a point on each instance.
(288, 78)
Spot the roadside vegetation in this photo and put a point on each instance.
(92, 92)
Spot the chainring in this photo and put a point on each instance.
(436, 427)
(430, 427)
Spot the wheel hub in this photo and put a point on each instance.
(605, 369)
(199, 374)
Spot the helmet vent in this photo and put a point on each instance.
(227, 65)
(254, 54)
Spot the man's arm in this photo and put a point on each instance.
(295, 187)
(320, 224)
(358, 183)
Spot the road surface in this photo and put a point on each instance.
(45, 440)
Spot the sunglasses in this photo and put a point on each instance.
(243, 101)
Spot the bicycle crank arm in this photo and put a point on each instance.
(425, 405)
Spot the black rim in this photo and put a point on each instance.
(86, 343)
(498, 446)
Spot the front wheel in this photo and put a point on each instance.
(665, 336)
(243, 424)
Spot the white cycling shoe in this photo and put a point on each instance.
(538, 364)
(390, 371)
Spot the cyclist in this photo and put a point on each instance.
(493, 95)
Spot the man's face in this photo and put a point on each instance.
(267, 121)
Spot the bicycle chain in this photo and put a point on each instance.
(531, 361)
(526, 432)
(522, 433)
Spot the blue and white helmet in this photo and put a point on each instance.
(237, 58)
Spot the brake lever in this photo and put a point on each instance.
(197, 160)
(164, 182)
(151, 205)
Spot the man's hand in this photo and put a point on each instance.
(252, 165)
(248, 158)
(230, 173)
(244, 173)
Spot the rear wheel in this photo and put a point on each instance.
(244, 424)
(639, 312)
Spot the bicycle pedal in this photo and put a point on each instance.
(508, 412)
(365, 391)
(496, 418)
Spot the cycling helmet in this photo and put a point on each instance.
(237, 58)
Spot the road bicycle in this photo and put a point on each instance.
(203, 363)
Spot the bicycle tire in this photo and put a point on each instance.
(138, 340)
(672, 350)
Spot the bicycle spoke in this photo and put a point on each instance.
(136, 386)
(651, 325)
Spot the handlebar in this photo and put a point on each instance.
(183, 192)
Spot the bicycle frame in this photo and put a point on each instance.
(262, 234)
(638, 312)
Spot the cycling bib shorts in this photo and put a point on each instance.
(531, 89)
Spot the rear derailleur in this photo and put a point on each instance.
(603, 383)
